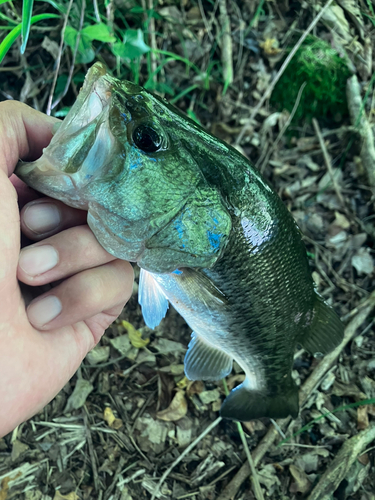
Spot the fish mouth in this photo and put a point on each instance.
(81, 148)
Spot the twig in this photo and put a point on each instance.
(91, 453)
(183, 454)
(226, 45)
(254, 476)
(270, 88)
(282, 131)
(205, 22)
(309, 385)
(327, 161)
(359, 119)
(96, 11)
(340, 466)
(71, 69)
(58, 60)
(151, 30)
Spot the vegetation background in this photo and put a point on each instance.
(124, 426)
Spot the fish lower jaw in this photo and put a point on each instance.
(43, 176)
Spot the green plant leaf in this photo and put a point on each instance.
(86, 53)
(98, 32)
(137, 10)
(55, 5)
(27, 10)
(133, 45)
(8, 41)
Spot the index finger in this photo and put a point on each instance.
(24, 132)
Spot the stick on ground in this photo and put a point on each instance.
(340, 466)
(359, 119)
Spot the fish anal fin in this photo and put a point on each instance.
(205, 362)
(244, 405)
(152, 300)
(326, 330)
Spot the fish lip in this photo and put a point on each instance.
(90, 113)
(95, 84)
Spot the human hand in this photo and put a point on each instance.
(42, 346)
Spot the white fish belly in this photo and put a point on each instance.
(212, 322)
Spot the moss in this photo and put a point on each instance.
(325, 74)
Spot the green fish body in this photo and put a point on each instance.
(210, 235)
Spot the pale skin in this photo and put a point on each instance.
(39, 353)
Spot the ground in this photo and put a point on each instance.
(129, 413)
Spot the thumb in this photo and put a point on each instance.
(24, 133)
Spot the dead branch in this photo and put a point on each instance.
(226, 44)
(359, 120)
(340, 466)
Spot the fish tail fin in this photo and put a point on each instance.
(326, 331)
(244, 404)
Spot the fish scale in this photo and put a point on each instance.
(209, 233)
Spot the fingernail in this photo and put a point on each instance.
(42, 217)
(44, 310)
(38, 260)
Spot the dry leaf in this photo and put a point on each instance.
(194, 387)
(176, 410)
(100, 354)
(78, 397)
(4, 488)
(18, 448)
(364, 459)
(182, 384)
(70, 496)
(336, 19)
(135, 336)
(269, 47)
(208, 397)
(112, 421)
(123, 345)
(234, 380)
(301, 483)
(362, 417)
(363, 262)
(341, 220)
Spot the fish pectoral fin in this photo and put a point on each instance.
(326, 330)
(152, 300)
(205, 362)
(243, 404)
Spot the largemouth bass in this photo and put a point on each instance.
(210, 235)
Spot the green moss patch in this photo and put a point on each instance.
(325, 73)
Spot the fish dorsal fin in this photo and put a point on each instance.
(326, 330)
(205, 362)
(152, 300)
(201, 287)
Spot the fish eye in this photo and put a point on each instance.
(147, 138)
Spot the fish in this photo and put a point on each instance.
(209, 233)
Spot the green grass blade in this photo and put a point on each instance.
(178, 58)
(27, 10)
(340, 408)
(184, 92)
(8, 41)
